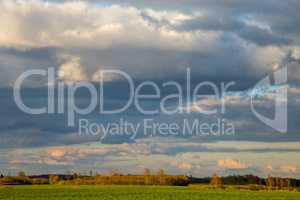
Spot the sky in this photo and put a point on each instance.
(159, 41)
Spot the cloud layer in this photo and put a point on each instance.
(150, 41)
(223, 158)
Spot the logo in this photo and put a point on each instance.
(279, 122)
(62, 100)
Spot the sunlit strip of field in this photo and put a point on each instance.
(134, 192)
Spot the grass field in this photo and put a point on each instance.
(134, 192)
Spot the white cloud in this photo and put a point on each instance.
(210, 104)
(232, 164)
(294, 90)
(269, 57)
(72, 71)
(185, 166)
(260, 96)
(269, 168)
(37, 23)
(174, 17)
(288, 168)
(101, 75)
(296, 53)
(57, 152)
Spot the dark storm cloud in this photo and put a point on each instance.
(13, 62)
(23, 130)
(250, 33)
(281, 16)
(43, 54)
(245, 39)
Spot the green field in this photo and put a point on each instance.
(133, 192)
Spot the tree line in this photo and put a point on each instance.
(157, 178)
(255, 182)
